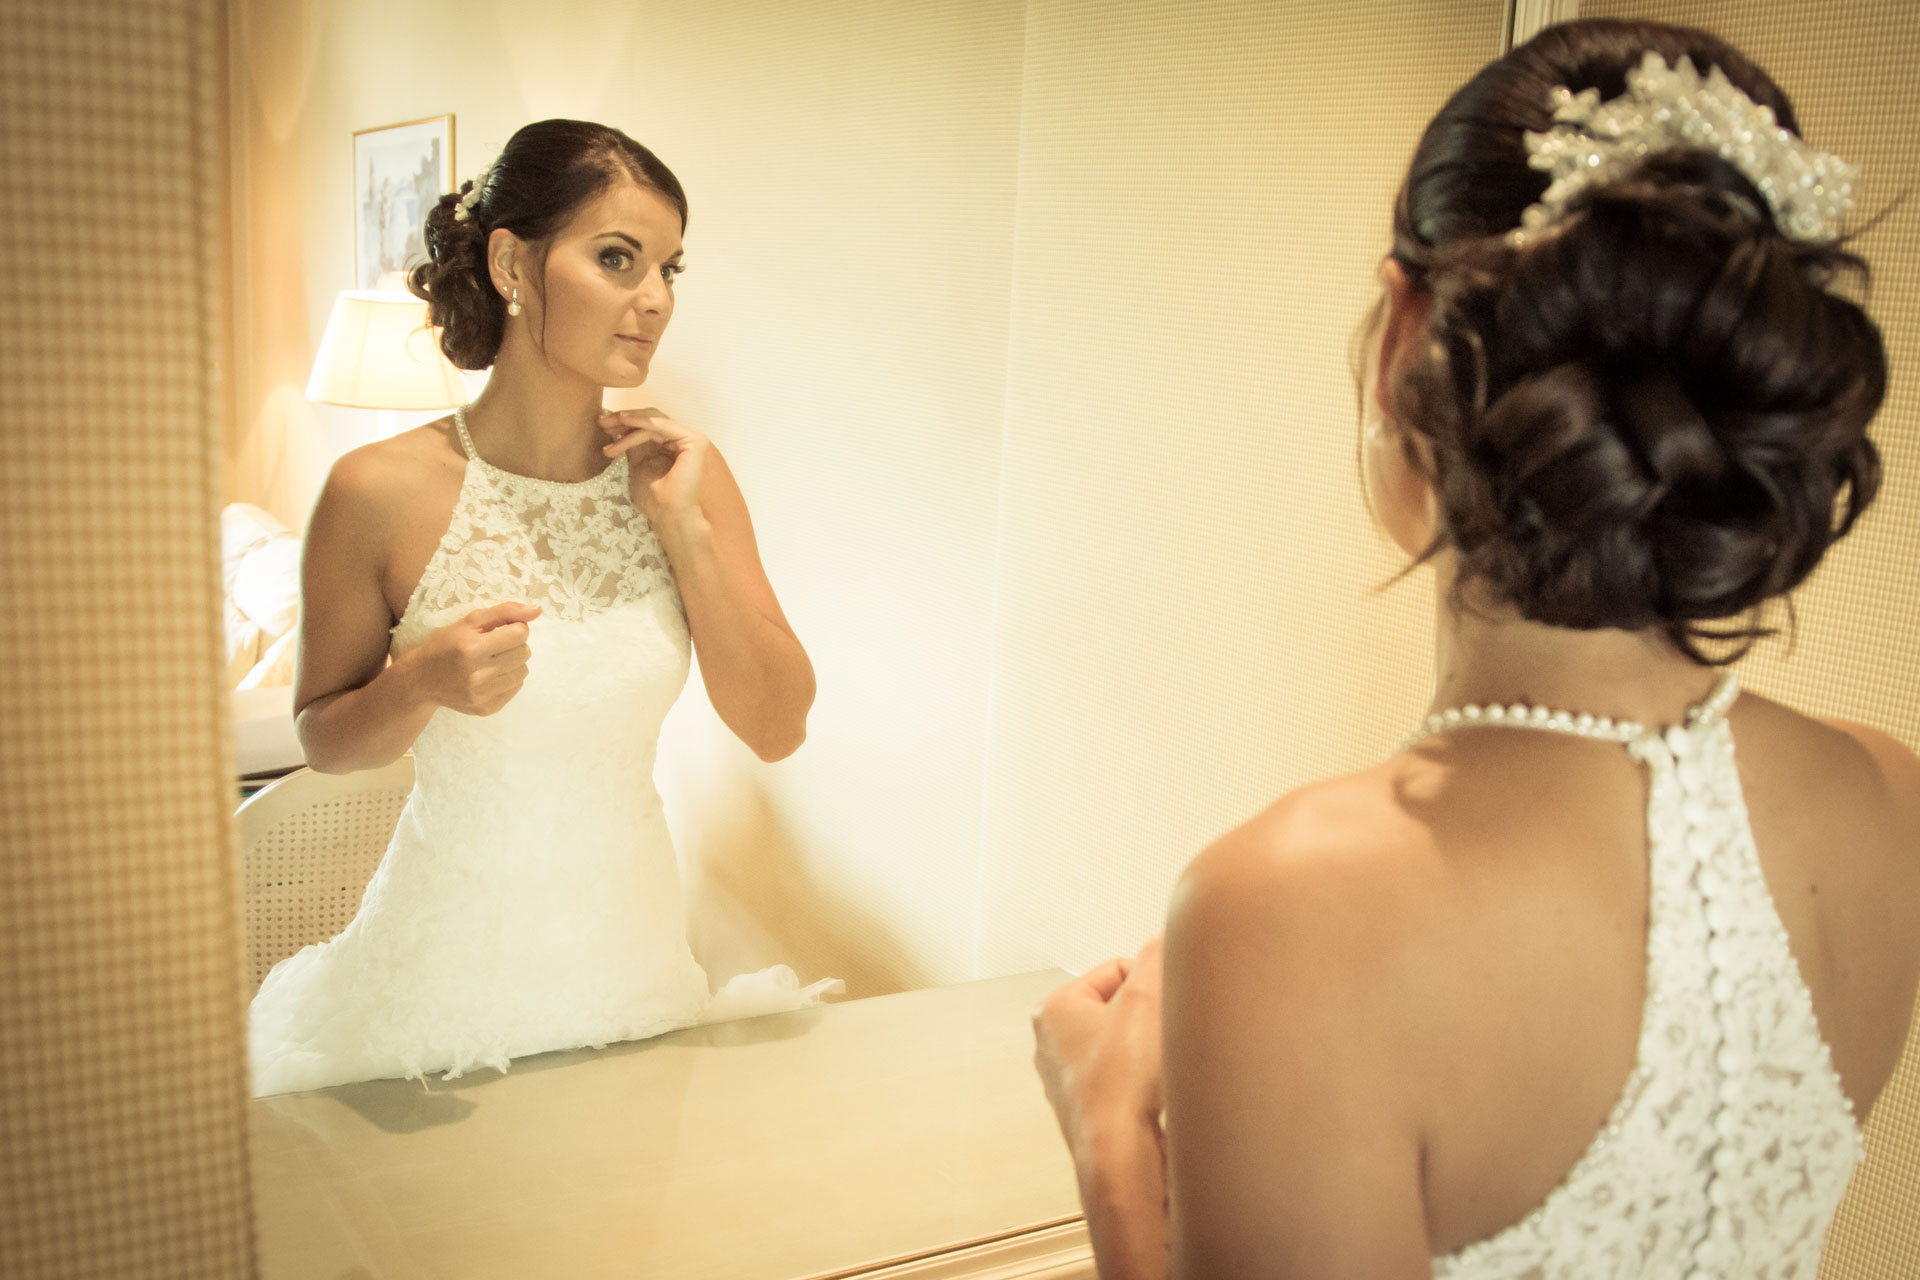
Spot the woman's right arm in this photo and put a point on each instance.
(351, 709)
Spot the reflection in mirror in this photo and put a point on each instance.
(529, 899)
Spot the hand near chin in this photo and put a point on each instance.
(666, 461)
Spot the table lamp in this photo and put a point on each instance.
(378, 352)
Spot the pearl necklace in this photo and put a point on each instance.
(1520, 715)
(1692, 832)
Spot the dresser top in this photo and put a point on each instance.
(797, 1144)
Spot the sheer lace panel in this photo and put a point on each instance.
(572, 548)
(1733, 1141)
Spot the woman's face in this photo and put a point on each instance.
(608, 286)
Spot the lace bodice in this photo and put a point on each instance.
(530, 898)
(1732, 1141)
(571, 548)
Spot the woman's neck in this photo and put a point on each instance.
(1489, 654)
(536, 420)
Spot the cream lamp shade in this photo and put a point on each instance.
(378, 352)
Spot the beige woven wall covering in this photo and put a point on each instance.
(1850, 71)
(122, 1065)
(1187, 621)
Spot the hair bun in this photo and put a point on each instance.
(459, 293)
(1648, 408)
(1675, 406)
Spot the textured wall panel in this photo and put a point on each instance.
(1186, 629)
(845, 340)
(122, 1066)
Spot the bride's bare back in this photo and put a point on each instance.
(1436, 968)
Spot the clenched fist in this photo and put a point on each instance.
(476, 665)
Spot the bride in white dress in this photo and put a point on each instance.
(538, 572)
(1565, 988)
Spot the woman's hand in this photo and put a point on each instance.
(667, 466)
(1097, 1045)
(1097, 1048)
(475, 665)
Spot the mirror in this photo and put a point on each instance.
(1023, 328)
(939, 351)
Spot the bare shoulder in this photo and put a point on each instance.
(1896, 765)
(397, 464)
(1852, 773)
(1342, 832)
(1835, 809)
(1892, 777)
(1334, 875)
(721, 497)
(1291, 968)
(371, 490)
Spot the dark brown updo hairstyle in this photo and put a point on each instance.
(544, 174)
(1653, 415)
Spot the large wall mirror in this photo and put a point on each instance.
(1024, 326)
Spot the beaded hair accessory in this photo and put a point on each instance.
(1666, 107)
(464, 210)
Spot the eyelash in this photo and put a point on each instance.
(667, 270)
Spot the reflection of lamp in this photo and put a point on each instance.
(379, 353)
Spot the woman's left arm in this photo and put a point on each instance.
(756, 673)
(1279, 1059)
(1097, 1048)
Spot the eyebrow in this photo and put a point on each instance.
(638, 247)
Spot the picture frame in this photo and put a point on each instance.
(399, 171)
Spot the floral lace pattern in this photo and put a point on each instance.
(530, 898)
(1733, 1141)
(571, 548)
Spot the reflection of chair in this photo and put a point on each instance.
(311, 842)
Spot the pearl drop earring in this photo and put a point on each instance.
(513, 303)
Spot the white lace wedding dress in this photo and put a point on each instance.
(530, 899)
(1732, 1142)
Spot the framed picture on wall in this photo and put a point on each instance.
(399, 170)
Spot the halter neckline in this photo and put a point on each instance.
(473, 455)
(1520, 715)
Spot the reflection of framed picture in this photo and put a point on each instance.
(399, 170)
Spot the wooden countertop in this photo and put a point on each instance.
(810, 1143)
